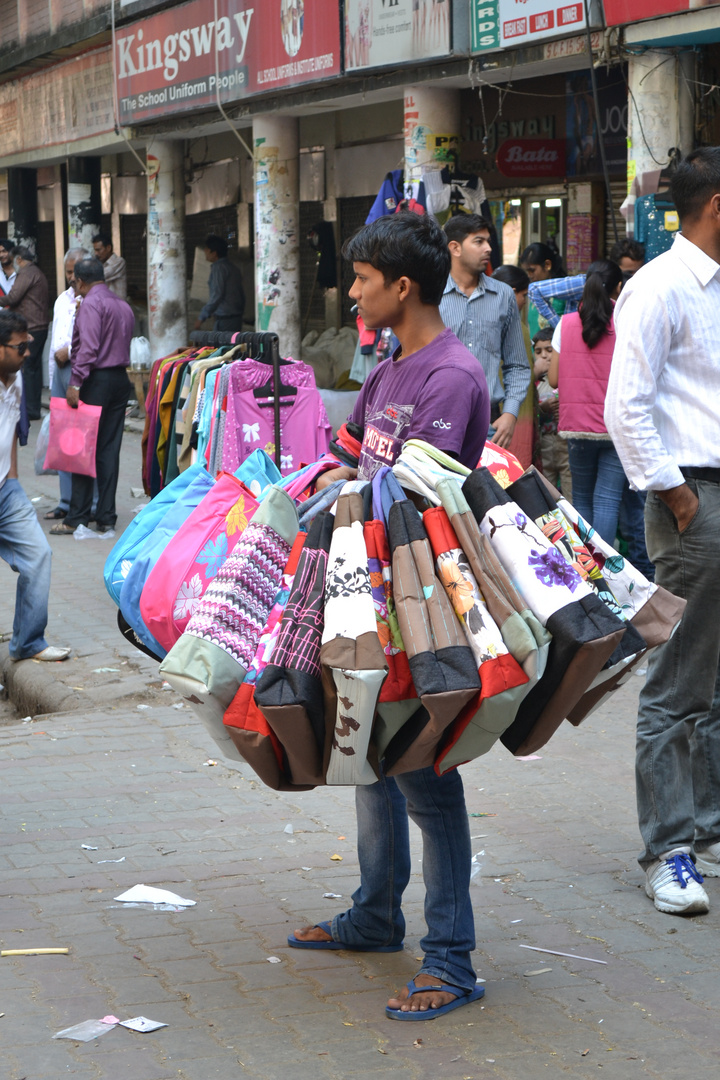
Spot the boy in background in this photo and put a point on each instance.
(553, 449)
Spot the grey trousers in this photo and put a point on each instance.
(678, 730)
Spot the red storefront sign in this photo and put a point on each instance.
(618, 12)
(179, 59)
(531, 157)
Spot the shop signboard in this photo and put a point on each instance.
(523, 158)
(181, 58)
(385, 33)
(58, 105)
(619, 12)
(501, 24)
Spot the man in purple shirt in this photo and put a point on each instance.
(433, 389)
(100, 357)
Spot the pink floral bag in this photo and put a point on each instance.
(193, 558)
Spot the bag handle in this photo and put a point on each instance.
(386, 491)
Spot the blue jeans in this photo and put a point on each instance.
(437, 806)
(597, 483)
(23, 545)
(677, 764)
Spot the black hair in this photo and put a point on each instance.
(11, 322)
(461, 225)
(514, 276)
(627, 249)
(596, 307)
(216, 244)
(23, 252)
(695, 180)
(546, 334)
(4, 242)
(102, 238)
(404, 245)
(89, 271)
(538, 253)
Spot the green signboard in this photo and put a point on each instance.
(485, 24)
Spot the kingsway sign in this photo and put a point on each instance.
(183, 57)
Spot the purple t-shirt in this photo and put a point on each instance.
(438, 394)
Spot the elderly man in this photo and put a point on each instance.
(113, 265)
(63, 324)
(100, 355)
(7, 270)
(22, 541)
(30, 297)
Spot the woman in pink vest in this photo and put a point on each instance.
(580, 369)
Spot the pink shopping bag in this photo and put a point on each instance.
(73, 437)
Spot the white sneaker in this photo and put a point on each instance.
(675, 886)
(707, 860)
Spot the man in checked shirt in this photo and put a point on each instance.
(483, 313)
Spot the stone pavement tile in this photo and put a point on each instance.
(115, 1061)
(264, 976)
(231, 954)
(303, 1069)
(148, 990)
(238, 1017)
(283, 1001)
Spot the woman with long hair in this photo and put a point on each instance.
(580, 368)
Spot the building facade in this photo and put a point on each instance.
(160, 122)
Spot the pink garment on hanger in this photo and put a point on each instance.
(305, 429)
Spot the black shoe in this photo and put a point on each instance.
(104, 528)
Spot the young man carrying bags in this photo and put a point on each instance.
(433, 389)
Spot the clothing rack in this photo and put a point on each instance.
(261, 344)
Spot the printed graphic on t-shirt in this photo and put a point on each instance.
(384, 435)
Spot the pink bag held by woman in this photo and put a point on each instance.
(73, 437)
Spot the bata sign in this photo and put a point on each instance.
(531, 157)
(181, 58)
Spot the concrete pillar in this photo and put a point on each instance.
(83, 200)
(22, 207)
(660, 109)
(432, 129)
(167, 271)
(277, 251)
(59, 227)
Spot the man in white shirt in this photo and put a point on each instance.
(7, 270)
(23, 544)
(63, 324)
(662, 413)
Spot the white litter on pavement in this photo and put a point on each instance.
(148, 894)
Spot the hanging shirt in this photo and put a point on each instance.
(656, 224)
(305, 430)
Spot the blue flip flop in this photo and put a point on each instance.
(464, 997)
(296, 943)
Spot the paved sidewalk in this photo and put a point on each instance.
(558, 871)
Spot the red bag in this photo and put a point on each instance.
(73, 437)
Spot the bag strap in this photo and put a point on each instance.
(386, 491)
(296, 484)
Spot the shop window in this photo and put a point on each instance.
(133, 238)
